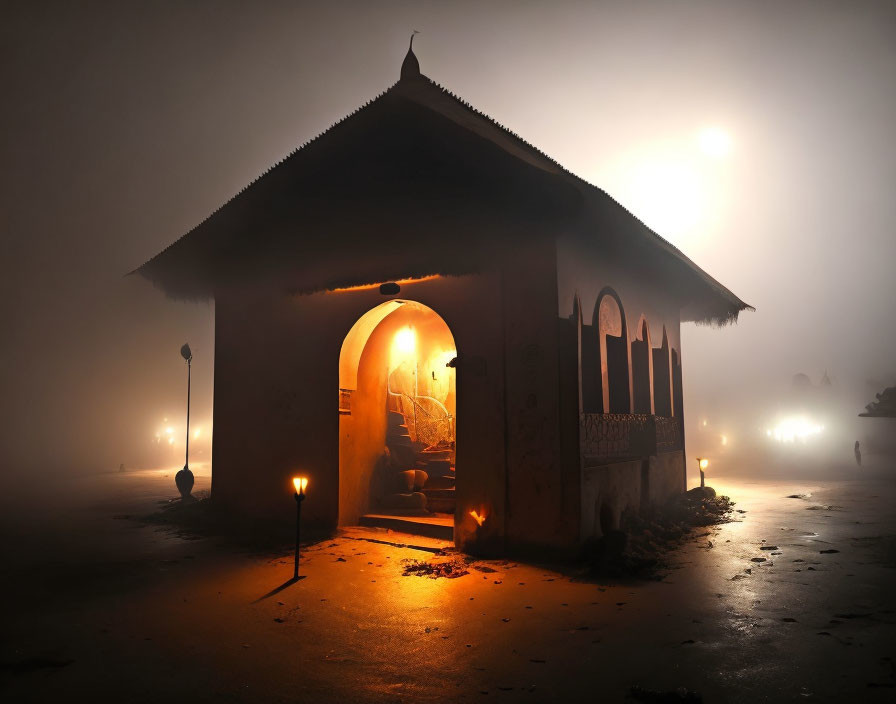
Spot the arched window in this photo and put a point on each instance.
(589, 360)
(662, 379)
(642, 372)
(677, 387)
(576, 319)
(609, 321)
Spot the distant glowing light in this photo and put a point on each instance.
(169, 430)
(714, 142)
(668, 197)
(704, 463)
(300, 483)
(480, 519)
(196, 433)
(170, 441)
(724, 439)
(704, 424)
(795, 429)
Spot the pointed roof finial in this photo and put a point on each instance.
(410, 67)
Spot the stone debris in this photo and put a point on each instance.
(639, 548)
(450, 569)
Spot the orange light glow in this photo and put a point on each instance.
(300, 483)
(704, 463)
(476, 517)
(400, 282)
(405, 340)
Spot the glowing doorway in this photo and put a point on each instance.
(397, 424)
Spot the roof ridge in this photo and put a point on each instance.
(519, 142)
(503, 128)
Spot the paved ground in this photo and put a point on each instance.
(104, 606)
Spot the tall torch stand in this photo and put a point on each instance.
(300, 497)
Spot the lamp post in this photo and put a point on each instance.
(300, 483)
(184, 478)
(702, 463)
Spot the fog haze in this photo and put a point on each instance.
(126, 124)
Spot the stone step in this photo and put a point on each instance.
(435, 466)
(442, 505)
(394, 419)
(440, 527)
(444, 481)
(437, 454)
(440, 500)
(439, 493)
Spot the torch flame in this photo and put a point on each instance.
(476, 517)
(300, 483)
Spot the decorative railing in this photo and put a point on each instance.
(616, 436)
(668, 434)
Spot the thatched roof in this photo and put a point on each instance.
(416, 182)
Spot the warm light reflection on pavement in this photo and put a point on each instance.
(800, 623)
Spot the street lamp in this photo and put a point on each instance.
(300, 483)
(703, 463)
(184, 478)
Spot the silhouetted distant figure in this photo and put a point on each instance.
(858, 451)
(121, 467)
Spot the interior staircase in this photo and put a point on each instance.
(436, 461)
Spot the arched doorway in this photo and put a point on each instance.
(397, 415)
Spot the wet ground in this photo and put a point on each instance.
(795, 600)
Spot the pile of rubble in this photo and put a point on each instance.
(451, 568)
(639, 547)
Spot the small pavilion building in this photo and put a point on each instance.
(445, 330)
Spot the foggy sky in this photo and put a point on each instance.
(125, 124)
